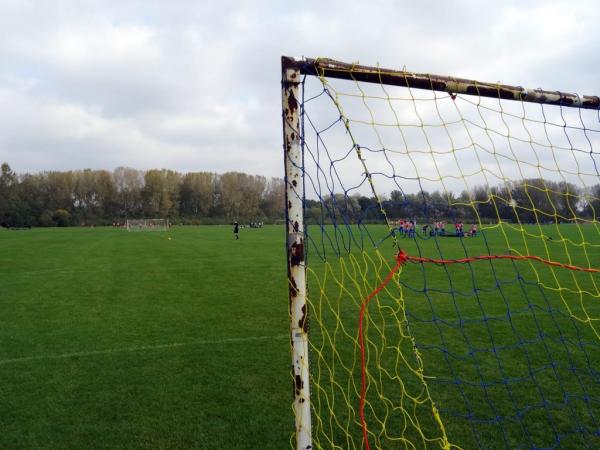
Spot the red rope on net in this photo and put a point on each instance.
(418, 259)
(401, 258)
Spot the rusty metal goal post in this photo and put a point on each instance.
(443, 241)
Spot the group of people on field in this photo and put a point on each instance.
(407, 228)
(237, 226)
(459, 230)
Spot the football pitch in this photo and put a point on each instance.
(129, 340)
(179, 339)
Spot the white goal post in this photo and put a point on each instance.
(147, 224)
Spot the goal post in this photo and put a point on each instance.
(328, 68)
(294, 199)
(418, 340)
(147, 224)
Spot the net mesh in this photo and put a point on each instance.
(481, 354)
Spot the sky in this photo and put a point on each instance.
(195, 85)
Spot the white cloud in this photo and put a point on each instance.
(195, 85)
(105, 44)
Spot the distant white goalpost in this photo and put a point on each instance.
(147, 224)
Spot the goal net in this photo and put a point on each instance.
(443, 260)
(147, 224)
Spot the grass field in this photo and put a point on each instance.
(130, 340)
(116, 339)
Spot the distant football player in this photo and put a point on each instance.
(473, 230)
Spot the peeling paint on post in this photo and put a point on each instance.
(295, 251)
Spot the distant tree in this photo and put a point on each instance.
(11, 207)
(58, 189)
(369, 209)
(128, 191)
(32, 197)
(396, 206)
(468, 209)
(241, 194)
(85, 196)
(591, 206)
(272, 203)
(568, 200)
(46, 219)
(314, 212)
(106, 195)
(61, 218)
(197, 193)
(483, 202)
(7, 177)
(160, 194)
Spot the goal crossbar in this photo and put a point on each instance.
(324, 67)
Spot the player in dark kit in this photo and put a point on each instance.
(236, 230)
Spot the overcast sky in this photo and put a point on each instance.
(195, 85)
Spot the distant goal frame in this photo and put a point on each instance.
(154, 224)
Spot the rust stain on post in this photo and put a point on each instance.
(297, 252)
(292, 104)
(299, 384)
(303, 322)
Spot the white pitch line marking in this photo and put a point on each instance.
(139, 348)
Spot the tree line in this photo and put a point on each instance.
(100, 197)
(526, 201)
